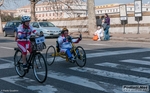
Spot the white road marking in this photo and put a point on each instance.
(43, 89)
(75, 80)
(114, 65)
(146, 57)
(31, 86)
(115, 75)
(6, 60)
(108, 64)
(6, 47)
(6, 65)
(109, 53)
(141, 62)
(98, 44)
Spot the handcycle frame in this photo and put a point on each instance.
(31, 62)
(63, 55)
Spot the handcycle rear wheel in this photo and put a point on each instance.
(50, 55)
(39, 67)
(18, 62)
(80, 57)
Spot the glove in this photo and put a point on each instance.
(22, 37)
(69, 38)
(41, 35)
(80, 37)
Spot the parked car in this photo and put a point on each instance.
(48, 29)
(11, 28)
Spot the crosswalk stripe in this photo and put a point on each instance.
(31, 86)
(91, 55)
(6, 60)
(108, 64)
(134, 61)
(75, 80)
(114, 65)
(146, 57)
(109, 53)
(7, 47)
(6, 65)
(109, 74)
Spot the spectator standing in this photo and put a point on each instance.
(106, 30)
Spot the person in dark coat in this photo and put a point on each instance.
(106, 31)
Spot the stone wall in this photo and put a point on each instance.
(80, 24)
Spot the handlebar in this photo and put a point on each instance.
(80, 36)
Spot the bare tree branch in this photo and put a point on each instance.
(1, 2)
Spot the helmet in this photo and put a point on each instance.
(25, 18)
(63, 30)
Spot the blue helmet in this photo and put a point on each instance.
(25, 18)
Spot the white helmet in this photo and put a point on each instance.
(25, 18)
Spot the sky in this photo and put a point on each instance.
(13, 4)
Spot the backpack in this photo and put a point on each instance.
(95, 38)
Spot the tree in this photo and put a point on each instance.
(33, 3)
(91, 17)
(1, 3)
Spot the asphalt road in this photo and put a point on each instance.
(110, 66)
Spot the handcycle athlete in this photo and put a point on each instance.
(66, 49)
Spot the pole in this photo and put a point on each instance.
(1, 27)
(123, 26)
(138, 25)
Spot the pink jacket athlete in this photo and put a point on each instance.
(23, 35)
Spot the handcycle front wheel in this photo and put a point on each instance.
(40, 67)
(80, 57)
(18, 62)
(50, 55)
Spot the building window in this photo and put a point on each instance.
(107, 11)
(131, 9)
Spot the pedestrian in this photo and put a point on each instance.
(98, 21)
(99, 32)
(106, 31)
(103, 22)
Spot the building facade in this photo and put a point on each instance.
(114, 8)
(55, 10)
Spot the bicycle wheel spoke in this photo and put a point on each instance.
(18, 63)
(50, 55)
(40, 68)
(81, 56)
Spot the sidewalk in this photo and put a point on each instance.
(121, 37)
